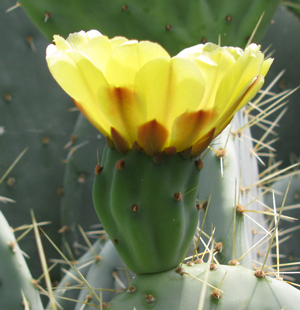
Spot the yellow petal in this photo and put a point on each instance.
(152, 83)
(187, 87)
(99, 48)
(200, 146)
(67, 73)
(126, 59)
(123, 110)
(228, 113)
(266, 66)
(169, 88)
(81, 80)
(92, 119)
(51, 49)
(189, 126)
(119, 141)
(116, 41)
(61, 43)
(196, 52)
(214, 73)
(222, 124)
(238, 79)
(93, 33)
(78, 40)
(152, 137)
(251, 91)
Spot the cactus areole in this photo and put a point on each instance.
(158, 114)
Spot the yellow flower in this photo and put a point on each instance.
(135, 92)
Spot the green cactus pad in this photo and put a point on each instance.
(222, 189)
(15, 277)
(293, 5)
(175, 24)
(242, 290)
(148, 209)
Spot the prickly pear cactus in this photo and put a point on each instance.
(54, 18)
(227, 174)
(221, 183)
(227, 287)
(156, 193)
(139, 75)
(178, 26)
(17, 288)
